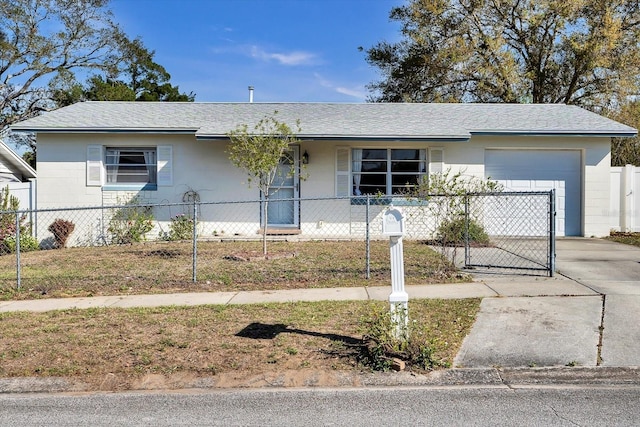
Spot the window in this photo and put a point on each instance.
(386, 171)
(131, 166)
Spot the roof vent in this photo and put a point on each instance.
(250, 93)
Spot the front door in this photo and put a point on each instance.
(283, 207)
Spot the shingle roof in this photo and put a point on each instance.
(326, 120)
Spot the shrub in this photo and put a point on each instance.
(181, 228)
(130, 223)
(381, 345)
(28, 243)
(8, 205)
(61, 230)
(452, 232)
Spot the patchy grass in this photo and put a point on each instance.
(166, 267)
(626, 238)
(118, 348)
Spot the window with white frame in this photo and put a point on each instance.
(385, 170)
(131, 165)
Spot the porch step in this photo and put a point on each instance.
(280, 231)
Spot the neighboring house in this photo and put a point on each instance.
(18, 176)
(92, 153)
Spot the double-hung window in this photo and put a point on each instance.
(131, 166)
(386, 171)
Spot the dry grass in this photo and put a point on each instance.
(164, 267)
(115, 349)
(626, 238)
(118, 348)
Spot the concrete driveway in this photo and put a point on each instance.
(607, 267)
(597, 323)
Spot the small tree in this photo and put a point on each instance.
(259, 153)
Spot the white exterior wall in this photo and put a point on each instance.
(200, 166)
(596, 161)
(203, 166)
(597, 189)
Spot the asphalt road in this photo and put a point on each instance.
(438, 406)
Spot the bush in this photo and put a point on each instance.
(27, 244)
(181, 228)
(381, 345)
(452, 232)
(130, 223)
(61, 230)
(9, 203)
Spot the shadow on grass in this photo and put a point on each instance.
(263, 331)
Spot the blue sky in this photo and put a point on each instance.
(289, 50)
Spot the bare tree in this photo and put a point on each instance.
(40, 39)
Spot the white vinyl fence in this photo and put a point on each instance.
(624, 209)
(24, 191)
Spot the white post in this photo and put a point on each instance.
(393, 226)
(629, 198)
(398, 299)
(625, 192)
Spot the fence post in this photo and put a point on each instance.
(627, 196)
(552, 232)
(367, 240)
(18, 272)
(467, 261)
(195, 241)
(33, 217)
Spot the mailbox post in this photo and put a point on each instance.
(393, 226)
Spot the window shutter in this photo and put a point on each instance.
(94, 165)
(436, 160)
(343, 182)
(165, 165)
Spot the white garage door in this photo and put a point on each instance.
(542, 170)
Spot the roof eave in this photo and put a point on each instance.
(104, 130)
(426, 138)
(583, 133)
(24, 168)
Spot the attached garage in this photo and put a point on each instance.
(543, 170)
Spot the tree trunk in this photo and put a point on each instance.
(265, 216)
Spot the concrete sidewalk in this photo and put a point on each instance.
(498, 287)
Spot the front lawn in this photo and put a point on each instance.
(166, 267)
(230, 346)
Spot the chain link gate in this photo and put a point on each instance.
(520, 227)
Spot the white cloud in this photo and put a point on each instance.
(290, 58)
(358, 92)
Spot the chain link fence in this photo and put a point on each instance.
(167, 245)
